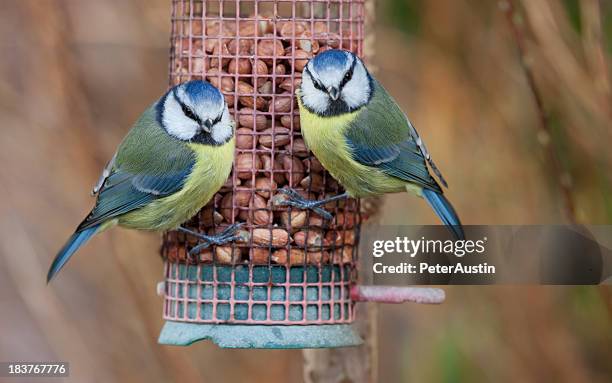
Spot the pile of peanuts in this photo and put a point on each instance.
(257, 64)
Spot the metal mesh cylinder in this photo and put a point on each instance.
(294, 267)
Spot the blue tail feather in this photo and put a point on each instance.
(445, 211)
(77, 240)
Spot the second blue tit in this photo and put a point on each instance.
(171, 163)
(363, 138)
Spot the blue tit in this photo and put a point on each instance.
(177, 155)
(362, 137)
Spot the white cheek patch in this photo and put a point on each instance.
(312, 97)
(175, 121)
(224, 129)
(356, 92)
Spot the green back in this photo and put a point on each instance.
(382, 137)
(148, 148)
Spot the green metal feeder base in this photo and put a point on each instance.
(260, 336)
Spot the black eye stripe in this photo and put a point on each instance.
(189, 113)
(349, 74)
(347, 77)
(315, 83)
(186, 110)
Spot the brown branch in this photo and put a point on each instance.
(563, 177)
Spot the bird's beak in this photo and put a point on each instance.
(334, 93)
(207, 125)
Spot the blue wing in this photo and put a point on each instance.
(382, 137)
(403, 160)
(123, 192)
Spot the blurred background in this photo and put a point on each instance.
(77, 73)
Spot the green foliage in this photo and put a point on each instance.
(572, 7)
(588, 317)
(450, 361)
(404, 15)
(606, 24)
(455, 365)
(560, 141)
(588, 307)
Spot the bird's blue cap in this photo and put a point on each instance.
(201, 91)
(333, 58)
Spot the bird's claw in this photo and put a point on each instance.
(227, 235)
(291, 193)
(229, 232)
(295, 199)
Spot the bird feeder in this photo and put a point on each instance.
(291, 281)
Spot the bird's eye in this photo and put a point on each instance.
(317, 85)
(188, 112)
(347, 77)
(315, 82)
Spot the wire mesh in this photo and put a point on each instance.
(294, 267)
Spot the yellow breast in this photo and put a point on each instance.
(325, 136)
(212, 167)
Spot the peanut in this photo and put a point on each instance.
(286, 121)
(245, 164)
(299, 148)
(240, 47)
(264, 186)
(259, 68)
(245, 138)
(294, 220)
(281, 104)
(297, 256)
(260, 255)
(227, 255)
(301, 59)
(279, 136)
(248, 118)
(277, 168)
(226, 208)
(274, 237)
(267, 48)
(314, 182)
(290, 84)
(250, 100)
(219, 50)
(239, 66)
(294, 168)
(261, 214)
(309, 238)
